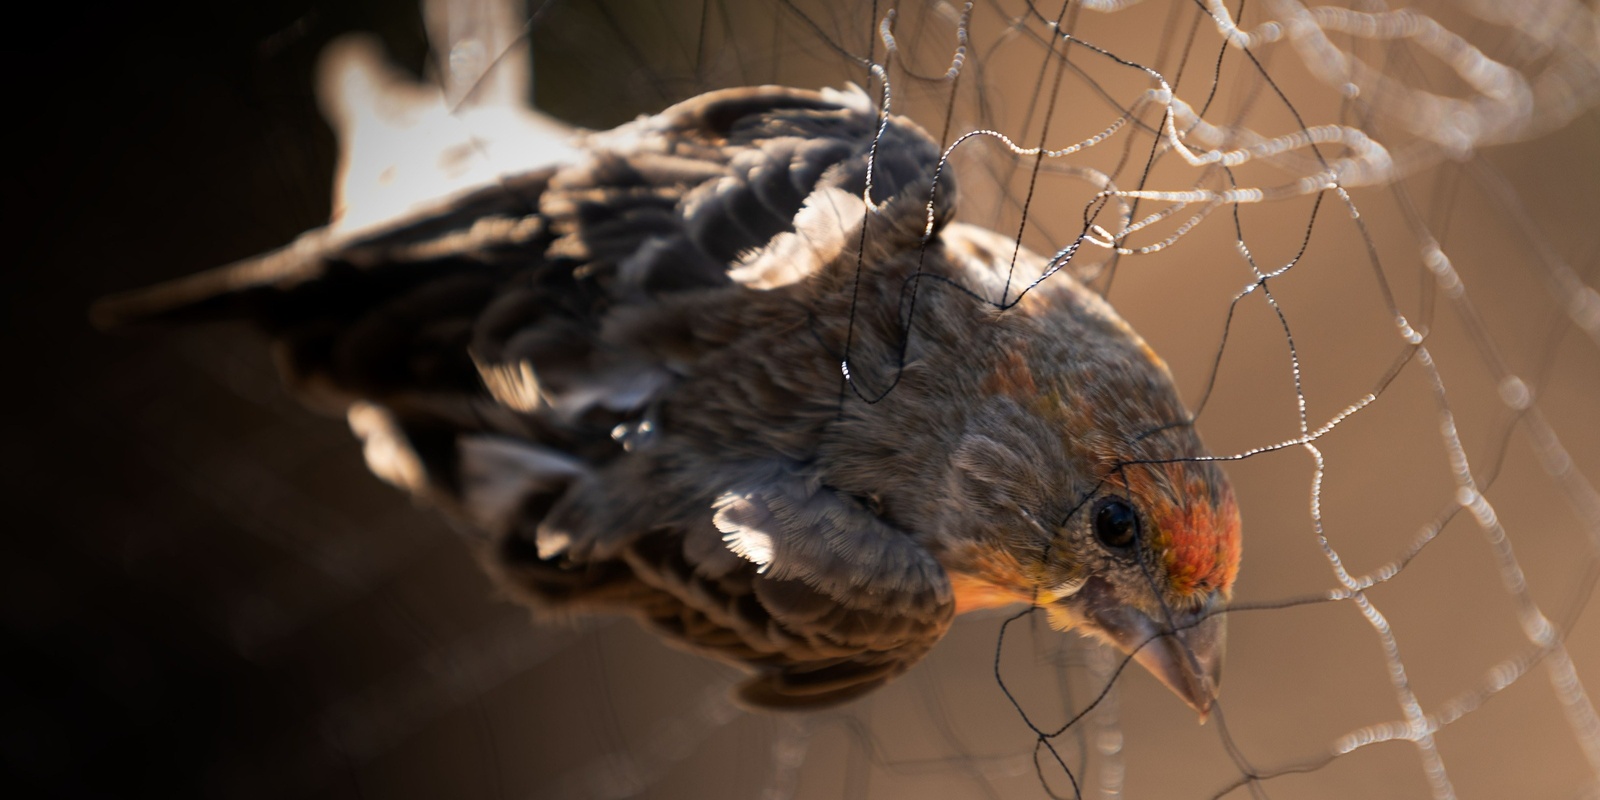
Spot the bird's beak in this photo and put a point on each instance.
(1186, 656)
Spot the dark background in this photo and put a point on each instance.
(150, 130)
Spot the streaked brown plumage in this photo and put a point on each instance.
(623, 373)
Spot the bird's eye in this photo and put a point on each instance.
(1116, 524)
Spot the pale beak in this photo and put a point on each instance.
(1185, 655)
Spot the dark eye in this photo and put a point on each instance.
(1116, 524)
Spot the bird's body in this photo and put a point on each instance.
(625, 374)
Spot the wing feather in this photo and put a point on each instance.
(515, 354)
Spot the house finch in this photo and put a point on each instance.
(696, 370)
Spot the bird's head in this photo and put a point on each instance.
(1152, 559)
(1080, 485)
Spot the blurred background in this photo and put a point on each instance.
(206, 594)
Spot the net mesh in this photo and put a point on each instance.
(1361, 236)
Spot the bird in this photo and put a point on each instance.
(736, 370)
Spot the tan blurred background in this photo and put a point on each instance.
(207, 595)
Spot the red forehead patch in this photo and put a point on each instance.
(1198, 536)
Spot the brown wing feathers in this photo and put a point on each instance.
(474, 346)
